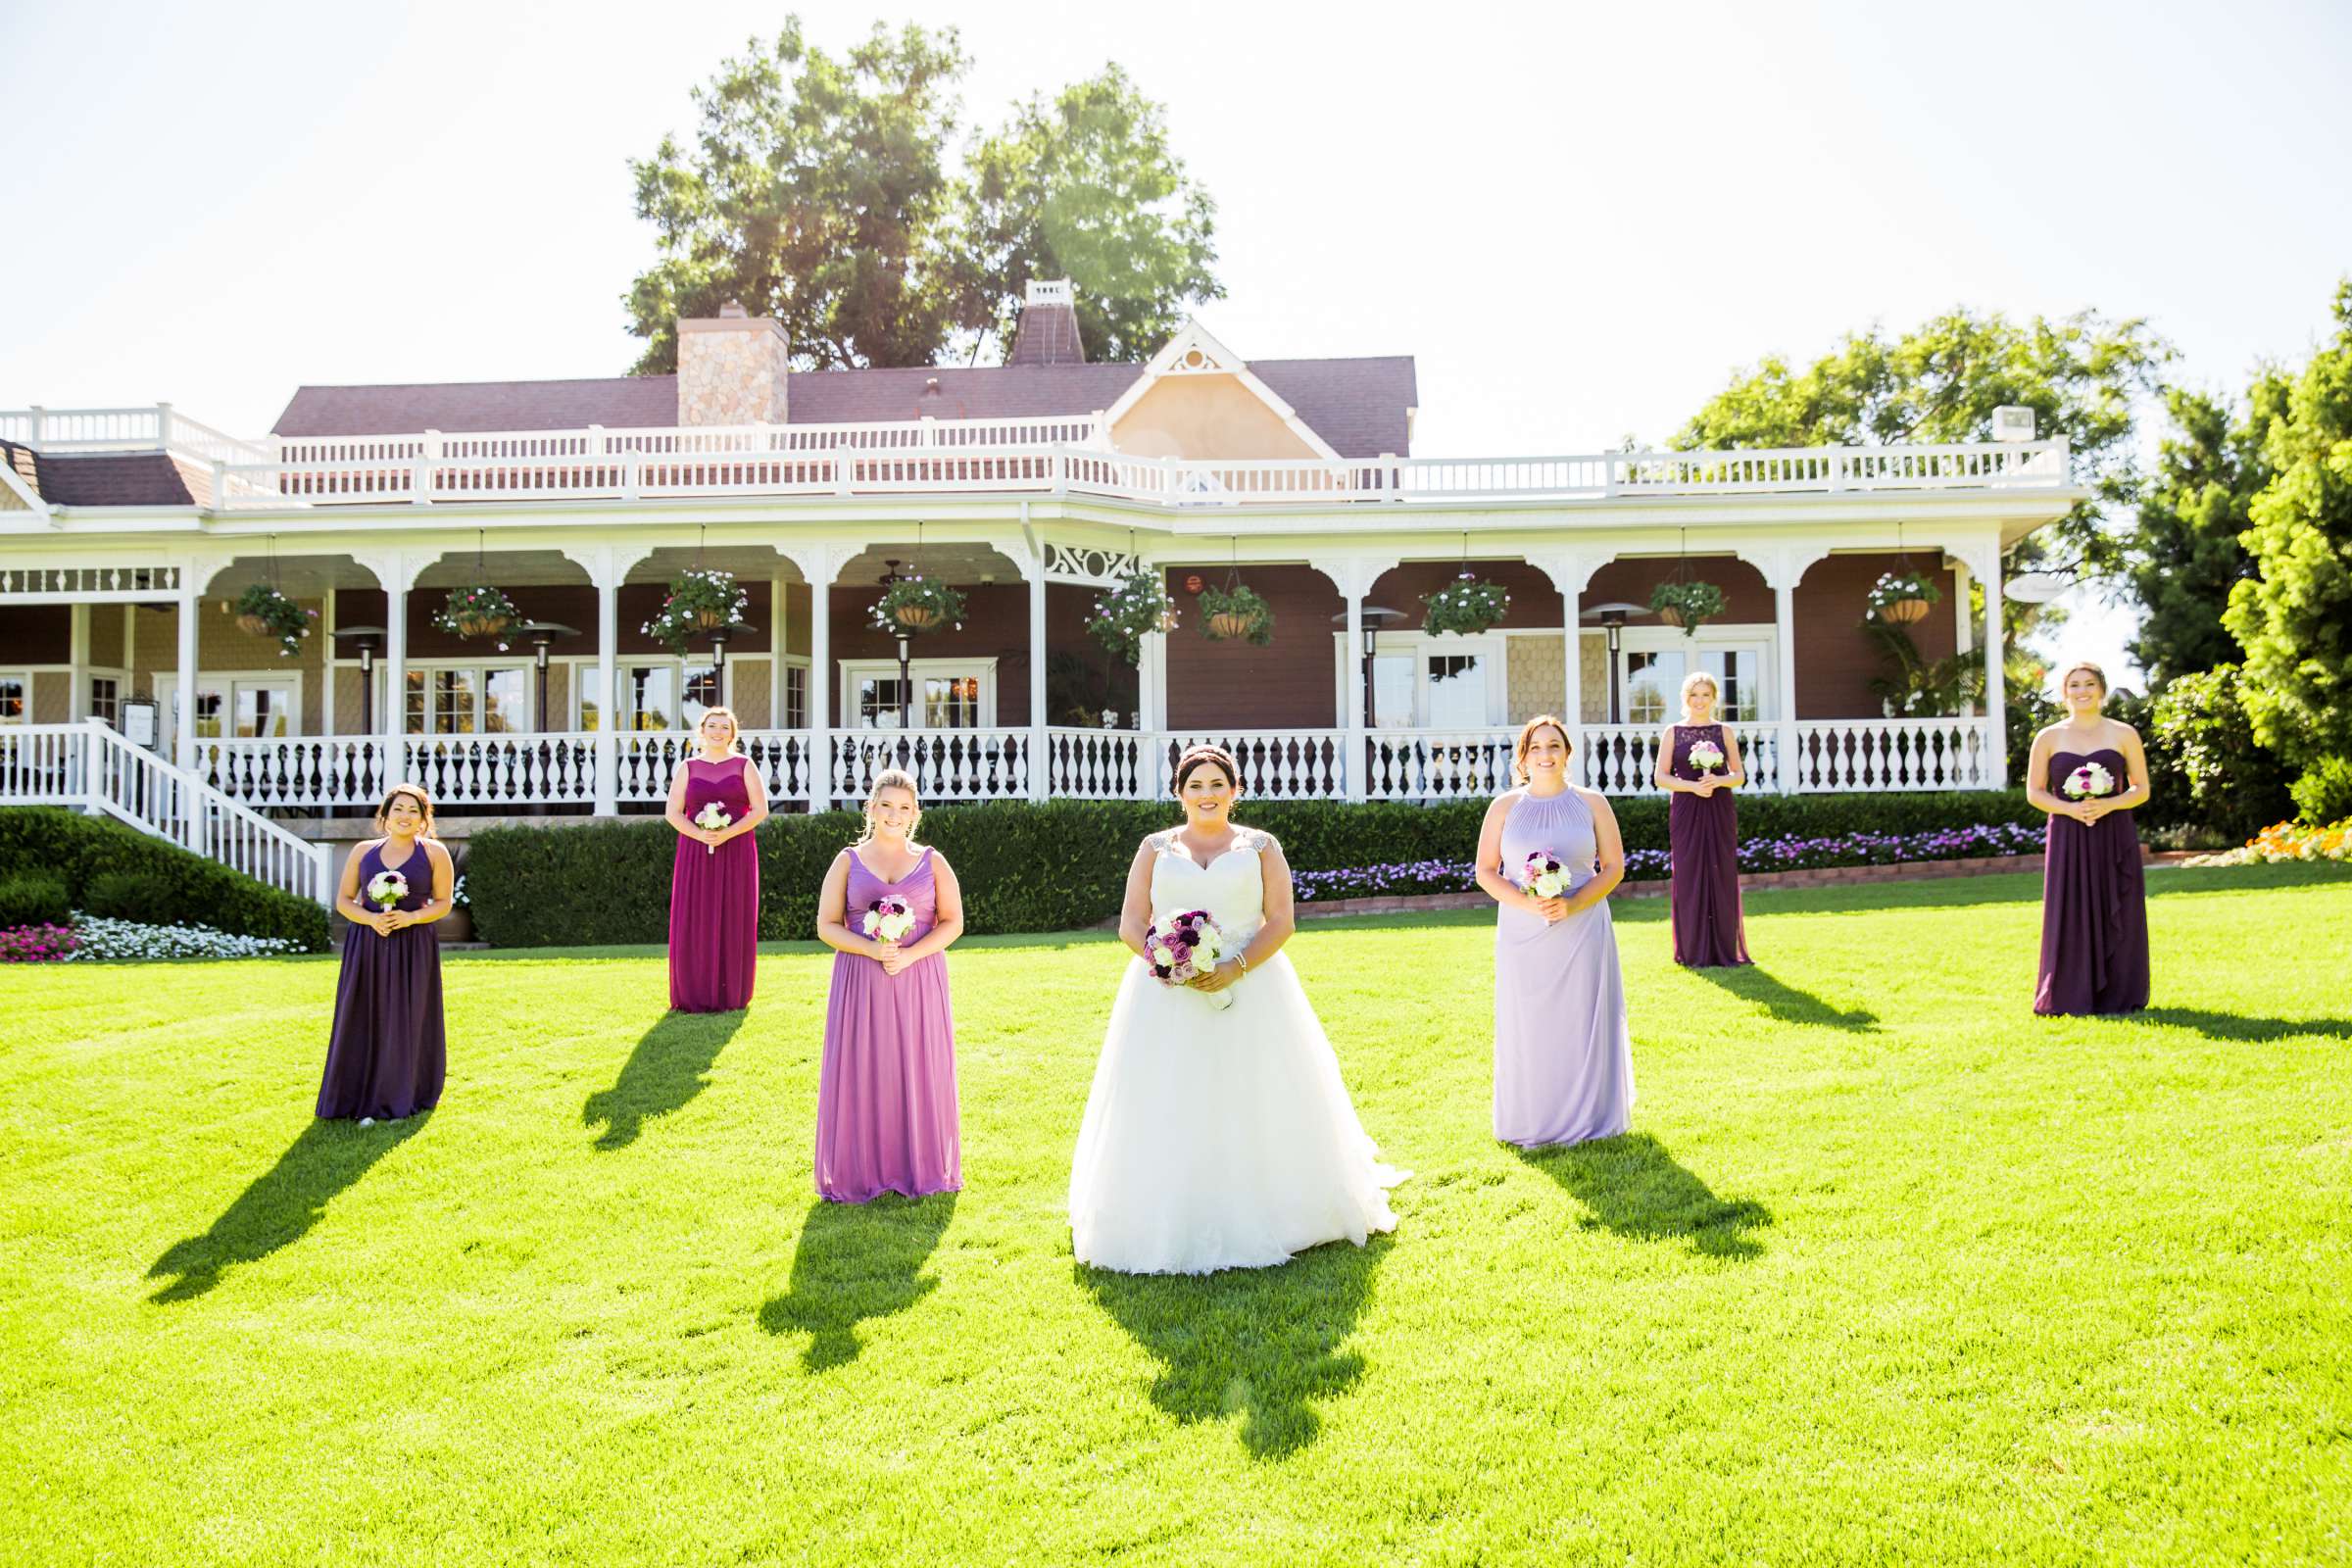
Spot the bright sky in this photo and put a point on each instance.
(1579, 217)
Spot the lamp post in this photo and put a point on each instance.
(905, 684)
(1612, 618)
(539, 634)
(366, 642)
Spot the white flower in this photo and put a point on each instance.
(386, 889)
(98, 940)
(1548, 884)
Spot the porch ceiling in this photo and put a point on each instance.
(508, 568)
(959, 563)
(302, 576)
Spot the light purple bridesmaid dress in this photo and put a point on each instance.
(1563, 1057)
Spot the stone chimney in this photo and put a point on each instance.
(731, 369)
(1048, 329)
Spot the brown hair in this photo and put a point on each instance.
(414, 791)
(2068, 673)
(891, 778)
(1206, 751)
(1527, 733)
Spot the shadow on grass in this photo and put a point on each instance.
(1259, 1343)
(2238, 1026)
(857, 1261)
(1633, 1186)
(670, 1065)
(1785, 1001)
(281, 1206)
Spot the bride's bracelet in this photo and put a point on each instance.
(1242, 959)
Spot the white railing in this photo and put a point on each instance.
(1411, 764)
(948, 765)
(648, 760)
(1894, 754)
(154, 428)
(1099, 765)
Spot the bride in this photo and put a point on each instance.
(1218, 1133)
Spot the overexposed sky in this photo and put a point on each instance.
(1578, 218)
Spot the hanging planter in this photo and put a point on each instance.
(916, 605)
(1902, 597)
(1687, 605)
(1466, 606)
(264, 611)
(1237, 612)
(700, 600)
(1138, 606)
(476, 610)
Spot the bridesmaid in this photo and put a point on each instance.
(886, 1117)
(1563, 1057)
(2094, 913)
(714, 877)
(387, 1055)
(1703, 831)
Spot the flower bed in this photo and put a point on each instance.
(2286, 841)
(36, 944)
(94, 940)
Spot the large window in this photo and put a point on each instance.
(1432, 682)
(1652, 680)
(15, 697)
(469, 700)
(237, 707)
(945, 693)
(662, 695)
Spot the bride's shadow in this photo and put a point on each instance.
(1633, 1186)
(857, 1261)
(1260, 1342)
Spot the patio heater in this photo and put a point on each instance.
(366, 642)
(1612, 616)
(718, 659)
(905, 686)
(539, 634)
(1375, 616)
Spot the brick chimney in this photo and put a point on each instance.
(1048, 329)
(731, 369)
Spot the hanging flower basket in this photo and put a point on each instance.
(1238, 613)
(263, 612)
(916, 605)
(1139, 605)
(1466, 606)
(700, 600)
(1687, 605)
(1900, 597)
(476, 610)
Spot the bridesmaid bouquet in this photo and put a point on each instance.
(1544, 875)
(889, 919)
(2090, 781)
(386, 889)
(710, 819)
(1705, 755)
(1191, 945)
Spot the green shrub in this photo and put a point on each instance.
(80, 848)
(2323, 793)
(33, 897)
(1060, 865)
(131, 896)
(2205, 768)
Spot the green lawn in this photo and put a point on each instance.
(1888, 1269)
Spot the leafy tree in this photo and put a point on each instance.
(2294, 618)
(1086, 189)
(2184, 556)
(2200, 740)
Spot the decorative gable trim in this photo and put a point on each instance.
(16, 495)
(1196, 351)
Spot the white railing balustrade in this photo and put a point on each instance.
(304, 771)
(1619, 759)
(501, 771)
(1099, 765)
(1873, 755)
(1412, 765)
(1276, 765)
(648, 760)
(948, 765)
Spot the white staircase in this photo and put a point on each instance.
(95, 769)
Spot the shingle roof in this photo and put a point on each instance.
(101, 478)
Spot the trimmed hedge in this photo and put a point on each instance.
(82, 849)
(1061, 865)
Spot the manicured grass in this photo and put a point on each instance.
(1888, 1270)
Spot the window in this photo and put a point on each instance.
(657, 696)
(106, 700)
(236, 706)
(1652, 680)
(1431, 682)
(15, 697)
(264, 710)
(945, 693)
(700, 686)
(796, 696)
(469, 700)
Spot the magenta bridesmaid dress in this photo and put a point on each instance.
(387, 1057)
(886, 1119)
(1710, 930)
(714, 899)
(2094, 905)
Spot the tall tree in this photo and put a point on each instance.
(815, 193)
(2184, 558)
(1086, 187)
(2294, 618)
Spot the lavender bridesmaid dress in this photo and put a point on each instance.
(1710, 931)
(2094, 908)
(714, 899)
(886, 1119)
(1563, 1057)
(387, 1055)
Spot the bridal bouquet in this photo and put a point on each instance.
(386, 889)
(1544, 875)
(710, 819)
(1189, 945)
(889, 919)
(2090, 781)
(1705, 755)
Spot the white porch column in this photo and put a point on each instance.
(1964, 625)
(608, 695)
(326, 666)
(777, 662)
(1571, 571)
(1996, 694)
(817, 562)
(191, 820)
(1353, 594)
(396, 673)
(1152, 683)
(1784, 620)
(77, 663)
(1040, 744)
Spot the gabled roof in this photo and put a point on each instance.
(99, 479)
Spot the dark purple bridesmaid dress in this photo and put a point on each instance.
(387, 1055)
(1709, 930)
(714, 899)
(2094, 905)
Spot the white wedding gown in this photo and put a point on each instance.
(1219, 1139)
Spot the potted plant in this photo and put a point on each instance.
(1466, 606)
(1234, 614)
(917, 603)
(700, 600)
(1139, 605)
(263, 612)
(1903, 596)
(476, 610)
(1687, 605)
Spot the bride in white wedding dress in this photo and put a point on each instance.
(1218, 1135)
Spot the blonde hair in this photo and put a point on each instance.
(414, 791)
(1699, 677)
(891, 778)
(1527, 733)
(2068, 673)
(734, 729)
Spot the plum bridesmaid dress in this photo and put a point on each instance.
(1563, 1055)
(886, 1114)
(714, 899)
(2094, 905)
(387, 1055)
(1710, 931)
